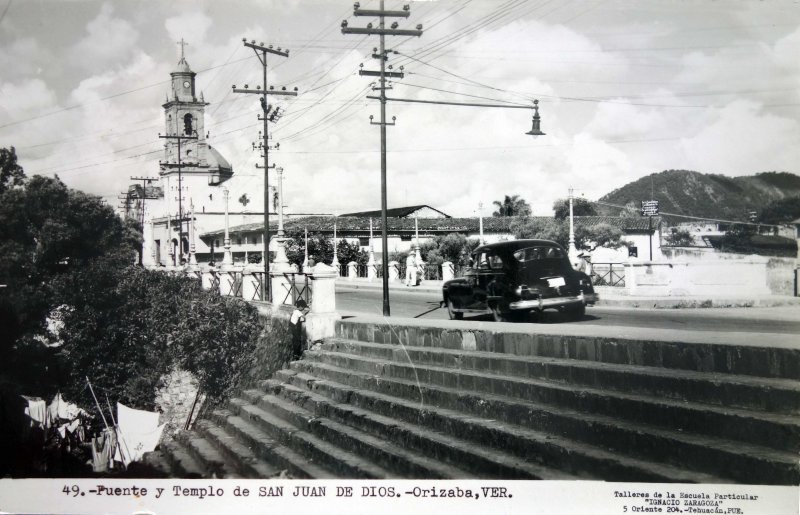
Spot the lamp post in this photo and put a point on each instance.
(281, 263)
(480, 222)
(192, 235)
(305, 259)
(335, 262)
(371, 272)
(572, 252)
(227, 258)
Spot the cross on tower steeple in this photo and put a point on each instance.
(182, 43)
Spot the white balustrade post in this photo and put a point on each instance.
(321, 320)
(394, 271)
(352, 270)
(250, 287)
(448, 271)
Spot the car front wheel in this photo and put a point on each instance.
(454, 315)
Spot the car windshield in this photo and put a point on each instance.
(537, 253)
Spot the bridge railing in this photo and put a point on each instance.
(608, 274)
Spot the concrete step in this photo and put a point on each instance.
(181, 463)
(756, 360)
(214, 463)
(718, 457)
(153, 464)
(291, 464)
(240, 456)
(763, 394)
(549, 452)
(780, 432)
(339, 461)
(444, 447)
(301, 408)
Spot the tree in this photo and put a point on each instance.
(586, 237)
(126, 327)
(11, 174)
(320, 247)
(782, 211)
(541, 228)
(512, 206)
(679, 238)
(580, 207)
(447, 247)
(47, 230)
(598, 235)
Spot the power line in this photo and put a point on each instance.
(102, 99)
(690, 216)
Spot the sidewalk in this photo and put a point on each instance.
(609, 296)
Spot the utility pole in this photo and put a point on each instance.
(382, 55)
(143, 198)
(271, 115)
(179, 138)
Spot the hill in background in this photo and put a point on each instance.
(707, 195)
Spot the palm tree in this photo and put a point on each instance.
(512, 206)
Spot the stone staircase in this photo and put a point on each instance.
(428, 402)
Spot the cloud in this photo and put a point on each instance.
(192, 26)
(743, 139)
(108, 43)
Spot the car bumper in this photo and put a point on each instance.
(540, 303)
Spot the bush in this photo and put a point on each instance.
(125, 328)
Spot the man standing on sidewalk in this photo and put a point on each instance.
(411, 269)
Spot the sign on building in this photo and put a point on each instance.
(649, 208)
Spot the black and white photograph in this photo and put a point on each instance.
(519, 256)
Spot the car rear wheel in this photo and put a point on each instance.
(454, 315)
(577, 311)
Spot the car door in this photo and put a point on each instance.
(469, 292)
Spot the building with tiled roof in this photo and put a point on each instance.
(420, 211)
(247, 238)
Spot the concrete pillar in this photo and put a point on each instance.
(321, 320)
(280, 276)
(394, 271)
(448, 271)
(352, 270)
(251, 290)
(372, 268)
(207, 277)
(228, 275)
(630, 278)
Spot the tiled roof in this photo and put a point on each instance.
(427, 225)
(396, 212)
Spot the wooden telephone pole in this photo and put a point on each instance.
(268, 115)
(382, 55)
(144, 196)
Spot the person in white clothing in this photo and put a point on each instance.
(411, 269)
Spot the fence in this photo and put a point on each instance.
(608, 274)
(296, 286)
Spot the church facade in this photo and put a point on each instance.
(192, 182)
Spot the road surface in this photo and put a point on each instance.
(773, 320)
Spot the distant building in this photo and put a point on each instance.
(203, 175)
(402, 234)
(421, 211)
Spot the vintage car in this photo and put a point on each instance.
(511, 279)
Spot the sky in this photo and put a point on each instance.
(626, 88)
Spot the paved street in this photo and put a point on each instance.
(423, 305)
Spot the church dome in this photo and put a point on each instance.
(215, 159)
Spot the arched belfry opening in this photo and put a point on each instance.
(188, 124)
